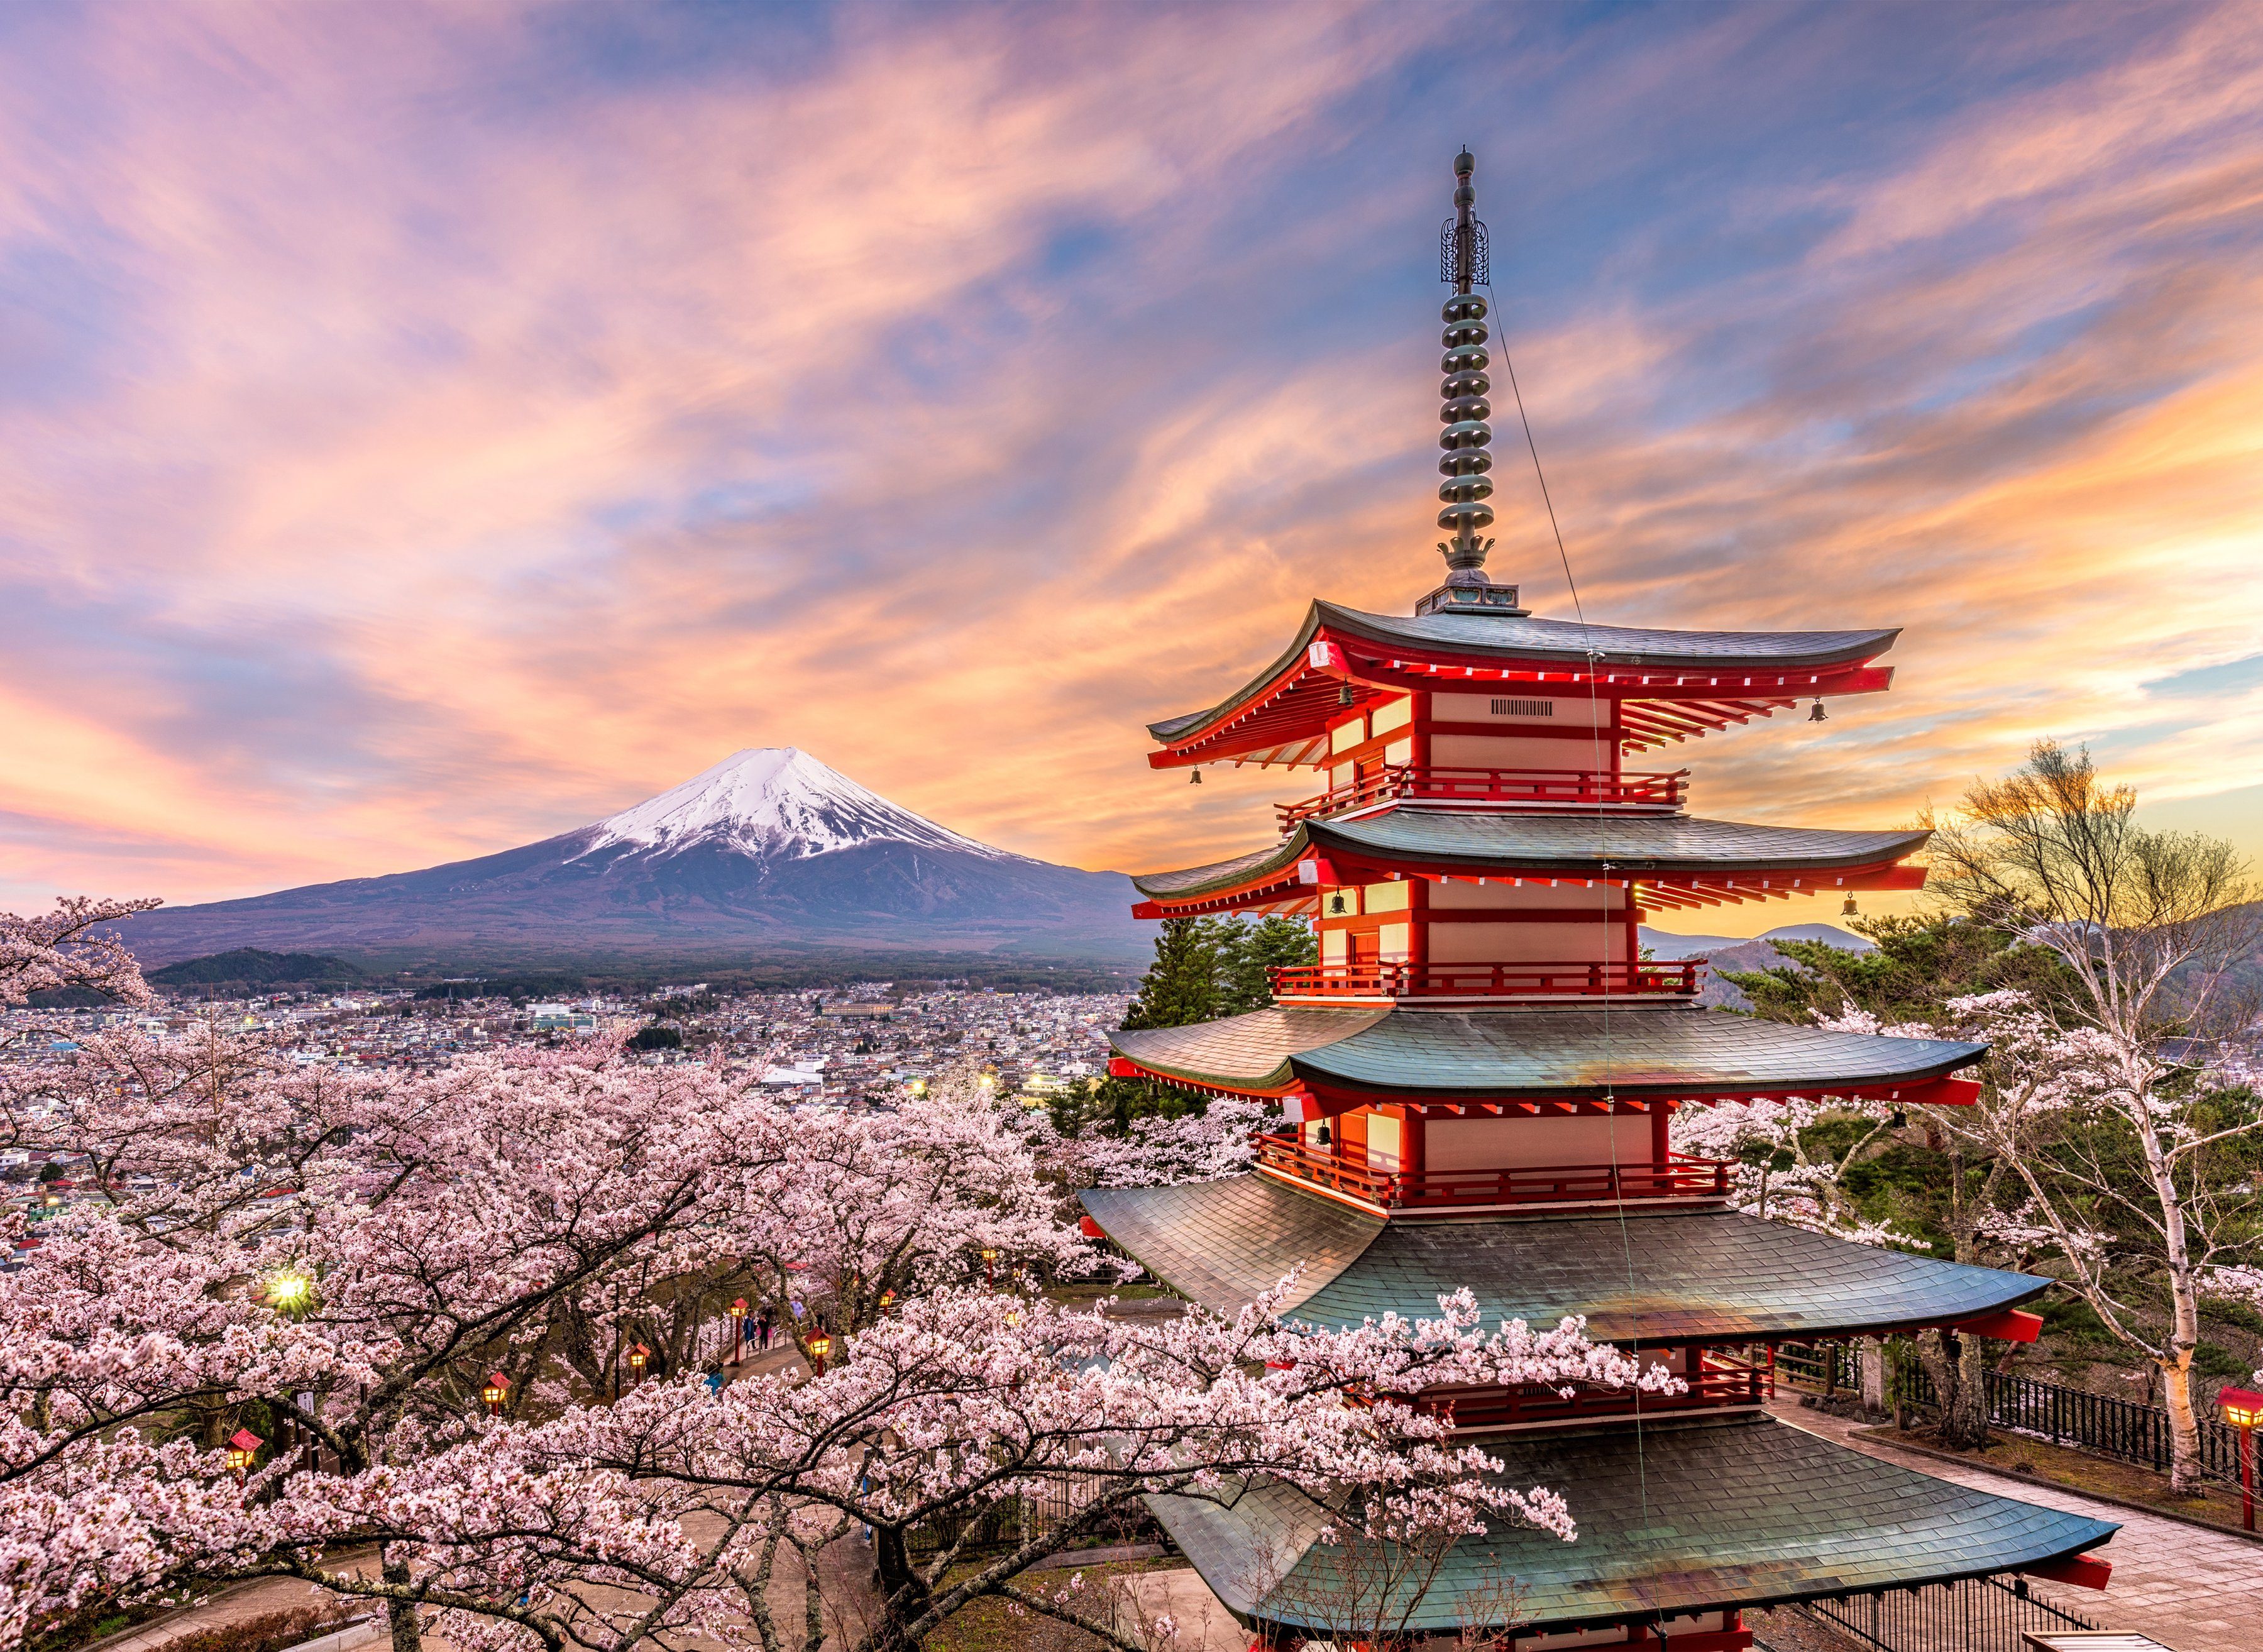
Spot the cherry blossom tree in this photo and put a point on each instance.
(347, 1256)
(2148, 924)
(2056, 1122)
(1158, 1151)
(66, 948)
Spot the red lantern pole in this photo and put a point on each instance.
(738, 1330)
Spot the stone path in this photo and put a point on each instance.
(2190, 1590)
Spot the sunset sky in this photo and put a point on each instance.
(428, 428)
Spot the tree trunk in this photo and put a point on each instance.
(400, 1616)
(1971, 1432)
(904, 1594)
(1947, 1368)
(2183, 1425)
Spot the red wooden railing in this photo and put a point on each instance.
(1716, 1381)
(1616, 979)
(1531, 788)
(1678, 1178)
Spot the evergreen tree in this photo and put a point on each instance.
(1180, 986)
(1247, 952)
(1916, 967)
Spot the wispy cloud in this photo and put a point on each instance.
(431, 430)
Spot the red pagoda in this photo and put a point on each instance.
(1478, 1078)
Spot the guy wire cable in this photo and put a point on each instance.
(1602, 841)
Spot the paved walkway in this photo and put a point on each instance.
(2189, 1588)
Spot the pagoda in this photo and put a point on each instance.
(1477, 1081)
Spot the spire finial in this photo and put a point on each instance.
(1466, 413)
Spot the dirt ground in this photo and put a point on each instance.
(2079, 1471)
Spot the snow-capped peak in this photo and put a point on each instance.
(773, 802)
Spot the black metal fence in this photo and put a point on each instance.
(1010, 1520)
(2127, 1429)
(1978, 1614)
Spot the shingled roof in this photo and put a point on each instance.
(1682, 1515)
(1575, 846)
(1653, 1277)
(1500, 638)
(1634, 1050)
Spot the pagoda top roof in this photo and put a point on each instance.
(1794, 661)
(1657, 1278)
(1684, 1514)
(1368, 847)
(1632, 1050)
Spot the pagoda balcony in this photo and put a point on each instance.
(1679, 1176)
(1371, 984)
(1494, 788)
(1716, 1381)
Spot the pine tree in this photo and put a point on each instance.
(1180, 986)
(1246, 955)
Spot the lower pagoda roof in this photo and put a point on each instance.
(1618, 847)
(1668, 1050)
(1654, 1277)
(1682, 1515)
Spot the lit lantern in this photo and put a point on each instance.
(243, 1451)
(2243, 1409)
(820, 1345)
(738, 1330)
(989, 1256)
(497, 1390)
(638, 1355)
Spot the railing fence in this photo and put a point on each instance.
(2050, 1411)
(1975, 1614)
(2111, 1426)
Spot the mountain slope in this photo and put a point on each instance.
(768, 850)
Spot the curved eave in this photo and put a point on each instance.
(1640, 1278)
(1324, 1060)
(1281, 715)
(1685, 1516)
(1314, 1091)
(1317, 853)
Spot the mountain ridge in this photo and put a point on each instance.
(770, 849)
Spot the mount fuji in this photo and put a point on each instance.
(769, 850)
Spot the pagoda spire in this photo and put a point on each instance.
(1466, 415)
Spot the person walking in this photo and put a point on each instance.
(762, 1326)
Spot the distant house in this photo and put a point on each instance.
(879, 1010)
(559, 1018)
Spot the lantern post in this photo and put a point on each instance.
(738, 1330)
(989, 1276)
(820, 1345)
(638, 1355)
(2243, 1407)
(497, 1390)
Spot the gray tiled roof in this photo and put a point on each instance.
(1687, 1515)
(1225, 1243)
(1503, 637)
(1633, 1049)
(1574, 844)
(1656, 1277)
